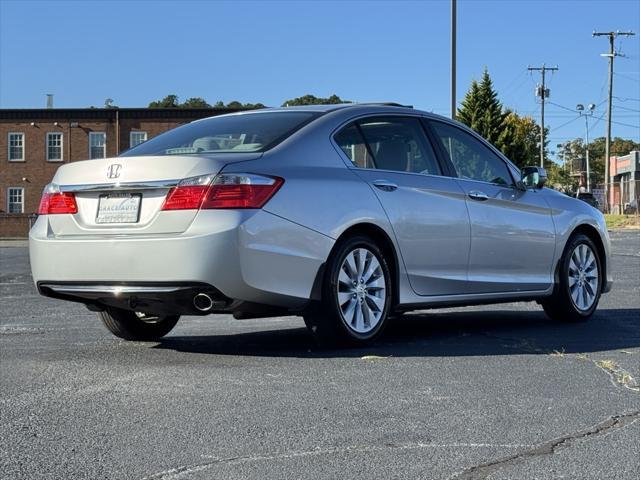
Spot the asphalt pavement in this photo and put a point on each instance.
(495, 392)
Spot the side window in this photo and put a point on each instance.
(400, 144)
(471, 159)
(353, 146)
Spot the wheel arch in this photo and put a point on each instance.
(592, 233)
(382, 240)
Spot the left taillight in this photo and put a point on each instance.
(54, 202)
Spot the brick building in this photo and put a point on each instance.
(35, 142)
(625, 182)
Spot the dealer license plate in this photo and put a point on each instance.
(119, 208)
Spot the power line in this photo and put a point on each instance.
(565, 124)
(627, 77)
(626, 124)
(626, 108)
(625, 99)
(560, 106)
(512, 86)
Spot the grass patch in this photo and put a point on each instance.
(621, 376)
(622, 221)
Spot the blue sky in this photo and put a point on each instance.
(138, 51)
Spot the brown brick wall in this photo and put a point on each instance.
(35, 172)
(152, 127)
(15, 226)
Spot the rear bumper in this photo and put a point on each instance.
(250, 256)
(156, 298)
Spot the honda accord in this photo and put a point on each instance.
(345, 215)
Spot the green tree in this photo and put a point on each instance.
(572, 153)
(482, 111)
(170, 101)
(313, 100)
(519, 139)
(195, 102)
(236, 104)
(561, 179)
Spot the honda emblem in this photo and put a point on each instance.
(114, 170)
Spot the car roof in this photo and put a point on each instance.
(339, 106)
(364, 108)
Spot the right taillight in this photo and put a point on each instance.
(241, 190)
(232, 190)
(54, 202)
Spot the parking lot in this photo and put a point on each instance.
(496, 392)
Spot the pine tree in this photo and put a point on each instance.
(470, 110)
(518, 138)
(482, 111)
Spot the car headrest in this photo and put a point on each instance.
(206, 143)
(392, 155)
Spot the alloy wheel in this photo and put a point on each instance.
(361, 290)
(583, 277)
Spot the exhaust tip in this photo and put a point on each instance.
(203, 302)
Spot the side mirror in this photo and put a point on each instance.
(534, 177)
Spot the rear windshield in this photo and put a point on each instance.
(252, 132)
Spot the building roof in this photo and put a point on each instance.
(109, 113)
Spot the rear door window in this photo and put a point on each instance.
(350, 141)
(389, 143)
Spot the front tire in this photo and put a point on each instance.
(137, 326)
(356, 295)
(577, 292)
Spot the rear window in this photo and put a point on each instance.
(252, 132)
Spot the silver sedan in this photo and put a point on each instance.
(345, 215)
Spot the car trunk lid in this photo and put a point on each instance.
(124, 195)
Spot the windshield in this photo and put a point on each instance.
(250, 132)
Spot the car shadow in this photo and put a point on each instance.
(466, 333)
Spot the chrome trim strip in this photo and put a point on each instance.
(119, 186)
(111, 289)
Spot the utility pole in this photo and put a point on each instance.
(607, 149)
(542, 92)
(580, 109)
(453, 59)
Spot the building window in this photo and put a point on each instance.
(16, 147)
(54, 146)
(15, 200)
(97, 145)
(136, 138)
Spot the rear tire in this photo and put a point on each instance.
(577, 292)
(137, 326)
(356, 295)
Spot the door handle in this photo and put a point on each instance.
(385, 185)
(477, 195)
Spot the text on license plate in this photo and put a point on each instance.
(119, 208)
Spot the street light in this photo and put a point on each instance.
(581, 110)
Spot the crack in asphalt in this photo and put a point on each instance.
(482, 471)
(477, 472)
(619, 376)
(185, 470)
